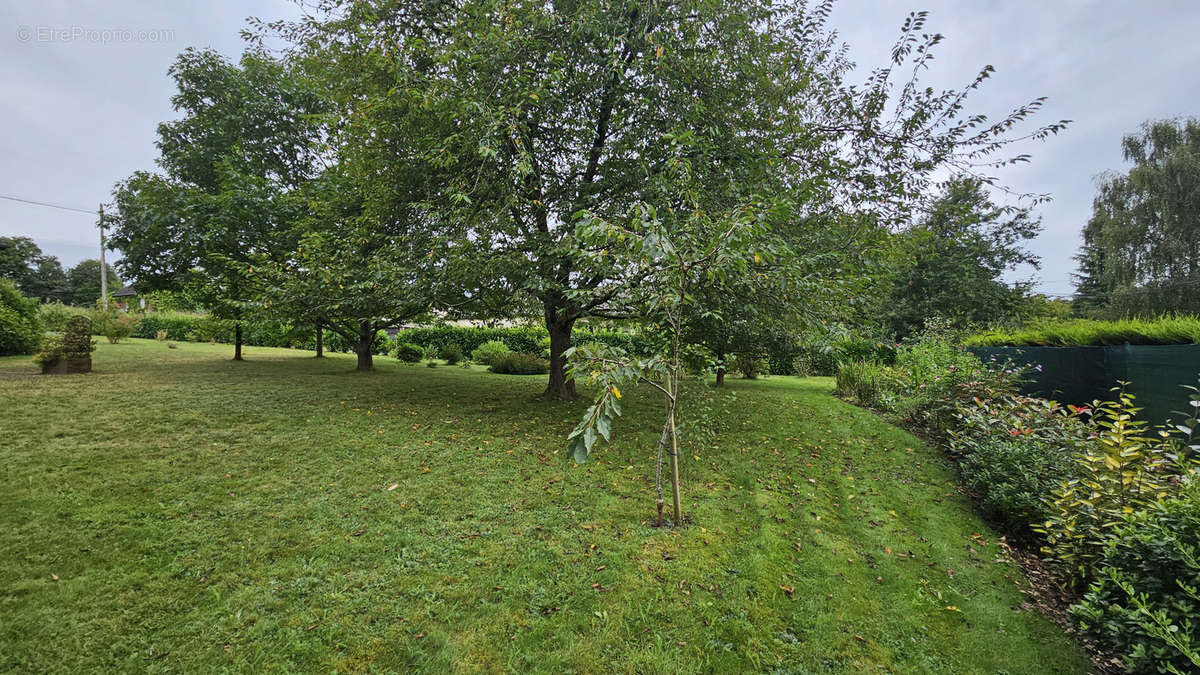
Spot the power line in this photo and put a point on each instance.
(53, 206)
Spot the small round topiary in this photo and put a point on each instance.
(409, 352)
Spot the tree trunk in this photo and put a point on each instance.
(366, 339)
(720, 370)
(559, 387)
(237, 341)
(320, 341)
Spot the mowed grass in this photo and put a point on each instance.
(177, 511)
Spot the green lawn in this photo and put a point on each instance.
(177, 511)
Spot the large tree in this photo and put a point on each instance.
(561, 108)
(245, 140)
(359, 266)
(951, 263)
(84, 279)
(1141, 251)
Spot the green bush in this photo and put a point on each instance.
(451, 353)
(74, 343)
(1013, 452)
(54, 315)
(1011, 478)
(113, 324)
(751, 365)
(1146, 606)
(50, 351)
(519, 363)
(489, 351)
(1122, 471)
(802, 366)
(408, 352)
(824, 358)
(930, 378)
(178, 325)
(20, 329)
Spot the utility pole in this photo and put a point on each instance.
(103, 265)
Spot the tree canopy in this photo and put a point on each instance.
(244, 141)
(1141, 250)
(539, 112)
(84, 280)
(35, 274)
(951, 263)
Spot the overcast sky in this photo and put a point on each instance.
(87, 85)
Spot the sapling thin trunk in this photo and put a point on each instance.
(678, 267)
(675, 471)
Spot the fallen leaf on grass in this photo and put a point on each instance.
(789, 590)
(393, 486)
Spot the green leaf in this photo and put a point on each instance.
(604, 426)
(577, 449)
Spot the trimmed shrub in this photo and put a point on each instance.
(528, 339)
(451, 353)
(488, 352)
(1146, 606)
(408, 352)
(20, 330)
(74, 343)
(77, 339)
(1169, 330)
(519, 363)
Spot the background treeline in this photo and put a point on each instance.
(42, 277)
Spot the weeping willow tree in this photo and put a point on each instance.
(1141, 251)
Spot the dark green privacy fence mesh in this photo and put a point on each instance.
(1080, 375)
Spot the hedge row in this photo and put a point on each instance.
(185, 326)
(1170, 330)
(527, 339)
(261, 333)
(783, 359)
